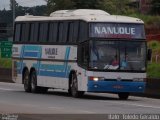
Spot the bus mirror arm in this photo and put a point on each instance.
(149, 54)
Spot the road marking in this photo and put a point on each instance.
(137, 105)
(84, 111)
(5, 89)
(59, 109)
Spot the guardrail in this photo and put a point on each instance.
(5, 75)
(152, 84)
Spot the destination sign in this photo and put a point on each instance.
(115, 30)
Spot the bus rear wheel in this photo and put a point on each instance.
(74, 87)
(123, 96)
(27, 82)
(34, 87)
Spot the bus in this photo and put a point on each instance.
(80, 50)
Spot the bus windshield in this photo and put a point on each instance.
(117, 55)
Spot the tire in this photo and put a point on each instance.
(34, 87)
(27, 82)
(74, 87)
(123, 96)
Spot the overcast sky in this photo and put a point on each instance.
(5, 3)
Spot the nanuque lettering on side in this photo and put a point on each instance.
(51, 51)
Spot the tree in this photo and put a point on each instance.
(116, 6)
(53, 5)
(87, 4)
(12, 3)
(111, 6)
(72, 4)
(155, 7)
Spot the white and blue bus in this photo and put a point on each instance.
(81, 51)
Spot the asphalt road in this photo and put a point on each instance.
(14, 100)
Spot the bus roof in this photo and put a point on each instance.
(87, 15)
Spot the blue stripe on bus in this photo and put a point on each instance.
(31, 54)
(115, 86)
(51, 69)
(45, 69)
(53, 74)
(32, 48)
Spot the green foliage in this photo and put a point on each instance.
(53, 5)
(154, 45)
(5, 63)
(6, 16)
(116, 6)
(111, 6)
(87, 4)
(155, 7)
(148, 19)
(153, 70)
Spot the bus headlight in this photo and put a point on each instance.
(96, 78)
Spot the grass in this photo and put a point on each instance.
(5, 63)
(153, 70)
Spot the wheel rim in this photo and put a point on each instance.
(26, 80)
(33, 82)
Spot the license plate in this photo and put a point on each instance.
(118, 87)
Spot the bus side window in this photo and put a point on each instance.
(43, 32)
(25, 32)
(65, 32)
(83, 31)
(53, 31)
(71, 31)
(34, 32)
(60, 33)
(17, 32)
(83, 55)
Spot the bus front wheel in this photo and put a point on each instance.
(74, 87)
(27, 82)
(123, 96)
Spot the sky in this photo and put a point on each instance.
(29, 3)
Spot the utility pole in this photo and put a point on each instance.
(13, 6)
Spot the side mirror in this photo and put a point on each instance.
(149, 54)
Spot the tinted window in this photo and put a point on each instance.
(60, 34)
(43, 32)
(25, 32)
(83, 54)
(34, 32)
(17, 32)
(53, 31)
(73, 32)
(83, 33)
(65, 31)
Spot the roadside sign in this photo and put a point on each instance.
(6, 49)
(5, 43)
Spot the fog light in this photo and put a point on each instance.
(96, 86)
(140, 87)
